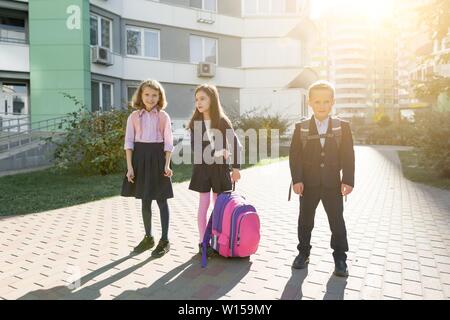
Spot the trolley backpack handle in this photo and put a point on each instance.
(206, 239)
(290, 191)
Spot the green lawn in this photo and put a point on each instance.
(413, 172)
(47, 189)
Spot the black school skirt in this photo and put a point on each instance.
(149, 180)
(211, 176)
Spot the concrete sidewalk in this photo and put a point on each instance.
(399, 239)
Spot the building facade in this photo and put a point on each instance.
(254, 51)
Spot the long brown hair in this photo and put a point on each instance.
(137, 102)
(215, 109)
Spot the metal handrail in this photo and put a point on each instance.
(32, 124)
(19, 139)
(8, 128)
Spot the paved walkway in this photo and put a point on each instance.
(399, 238)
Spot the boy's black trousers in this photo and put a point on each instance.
(332, 201)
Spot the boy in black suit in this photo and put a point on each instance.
(321, 147)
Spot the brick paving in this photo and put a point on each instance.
(398, 232)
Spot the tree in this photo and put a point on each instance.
(430, 89)
(435, 16)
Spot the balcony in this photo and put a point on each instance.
(176, 72)
(351, 86)
(349, 46)
(349, 56)
(350, 66)
(351, 96)
(355, 76)
(351, 106)
(346, 37)
(182, 17)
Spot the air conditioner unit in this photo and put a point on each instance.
(102, 55)
(206, 17)
(206, 69)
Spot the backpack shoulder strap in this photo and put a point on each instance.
(303, 125)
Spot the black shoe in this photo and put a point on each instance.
(209, 250)
(340, 268)
(161, 249)
(146, 244)
(300, 262)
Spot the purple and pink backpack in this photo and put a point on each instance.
(233, 228)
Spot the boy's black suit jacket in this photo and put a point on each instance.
(317, 166)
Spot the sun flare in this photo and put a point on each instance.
(374, 9)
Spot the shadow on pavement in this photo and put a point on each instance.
(335, 288)
(90, 292)
(189, 281)
(293, 288)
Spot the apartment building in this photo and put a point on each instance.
(255, 51)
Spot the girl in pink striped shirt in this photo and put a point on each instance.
(148, 147)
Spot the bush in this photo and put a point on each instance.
(433, 141)
(92, 142)
(402, 133)
(256, 120)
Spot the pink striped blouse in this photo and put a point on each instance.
(144, 126)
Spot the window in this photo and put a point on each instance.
(250, 6)
(130, 92)
(12, 30)
(208, 5)
(15, 96)
(101, 34)
(143, 42)
(264, 6)
(291, 6)
(102, 96)
(203, 49)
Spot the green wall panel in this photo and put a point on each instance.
(59, 56)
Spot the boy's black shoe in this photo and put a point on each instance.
(146, 244)
(340, 268)
(161, 249)
(300, 262)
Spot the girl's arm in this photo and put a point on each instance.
(168, 145)
(129, 154)
(129, 146)
(167, 170)
(233, 141)
(130, 170)
(168, 157)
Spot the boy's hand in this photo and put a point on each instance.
(298, 188)
(346, 189)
